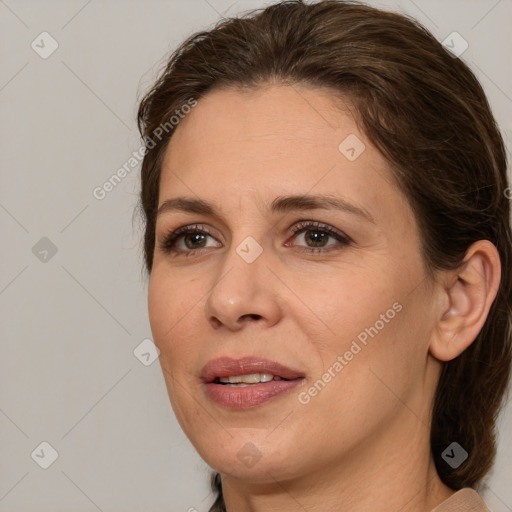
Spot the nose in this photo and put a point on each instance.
(242, 293)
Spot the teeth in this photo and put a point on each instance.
(251, 378)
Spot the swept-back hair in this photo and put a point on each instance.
(427, 114)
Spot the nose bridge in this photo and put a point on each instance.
(242, 288)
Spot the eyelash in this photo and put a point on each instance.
(169, 242)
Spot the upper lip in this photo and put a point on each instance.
(229, 367)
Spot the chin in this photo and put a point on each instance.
(250, 458)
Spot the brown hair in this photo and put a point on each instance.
(428, 115)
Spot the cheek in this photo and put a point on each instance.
(371, 320)
(351, 301)
(384, 357)
(169, 299)
(165, 309)
(160, 303)
(364, 373)
(173, 307)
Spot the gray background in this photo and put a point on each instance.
(70, 321)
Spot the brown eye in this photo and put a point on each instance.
(316, 237)
(186, 240)
(194, 240)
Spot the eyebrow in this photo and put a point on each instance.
(280, 204)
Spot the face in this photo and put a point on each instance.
(292, 246)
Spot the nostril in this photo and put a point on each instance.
(216, 322)
(252, 316)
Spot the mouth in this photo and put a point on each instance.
(246, 370)
(250, 379)
(247, 382)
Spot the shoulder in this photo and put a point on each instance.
(465, 500)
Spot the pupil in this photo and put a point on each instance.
(194, 236)
(317, 239)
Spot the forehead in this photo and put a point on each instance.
(270, 135)
(240, 150)
(276, 118)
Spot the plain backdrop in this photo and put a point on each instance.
(72, 294)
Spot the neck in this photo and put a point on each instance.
(391, 473)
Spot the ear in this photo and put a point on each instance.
(468, 293)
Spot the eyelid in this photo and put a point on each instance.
(299, 226)
(170, 239)
(302, 225)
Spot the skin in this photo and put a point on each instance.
(362, 443)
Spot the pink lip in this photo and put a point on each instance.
(227, 366)
(253, 395)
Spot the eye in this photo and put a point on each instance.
(316, 236)
(190, 240)
(187, 239)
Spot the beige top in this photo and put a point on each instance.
(465, 500)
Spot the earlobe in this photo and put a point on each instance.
(470, 290)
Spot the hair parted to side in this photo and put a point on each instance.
(428, 115)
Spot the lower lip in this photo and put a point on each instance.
(249, 396)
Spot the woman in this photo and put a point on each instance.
(328, 243)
